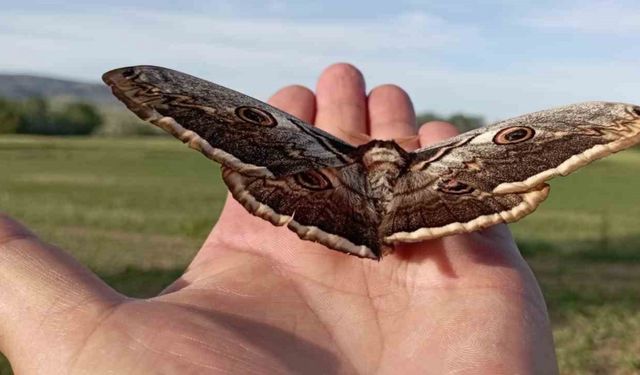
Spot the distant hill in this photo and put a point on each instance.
(19, 86)
(116, 119)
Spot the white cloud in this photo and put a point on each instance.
(251, 55)
(600, 17)
(175, 38)
(259, 55)
(526, 88)
(277, 6)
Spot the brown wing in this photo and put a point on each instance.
(518, 154)
(327, 205)
(497, 174)
(238, 131)
(426, 206)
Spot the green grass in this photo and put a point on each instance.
(135, 211)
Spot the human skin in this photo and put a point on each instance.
(257, 299)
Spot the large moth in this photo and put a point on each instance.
(362, 199)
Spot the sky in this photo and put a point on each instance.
(494, 58)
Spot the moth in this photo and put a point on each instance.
(363, 199)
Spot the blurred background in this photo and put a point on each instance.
(88, 176)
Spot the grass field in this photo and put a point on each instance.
(111, 203)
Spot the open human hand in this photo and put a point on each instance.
(257, 299)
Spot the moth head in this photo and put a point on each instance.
(382, 154)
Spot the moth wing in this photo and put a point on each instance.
(238, 131)
(497, 174)
(329, 206)
(425, 207)
(519, 154)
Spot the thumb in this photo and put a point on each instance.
(48, 300)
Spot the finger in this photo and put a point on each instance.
(341, 101)
(436, 131)
(391, 114)
(296, 100)
(45, 292)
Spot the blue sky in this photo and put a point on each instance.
(494, 58)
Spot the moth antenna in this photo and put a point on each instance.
(355, 138)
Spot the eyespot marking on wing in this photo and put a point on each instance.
(453, 186)
(513, 135)
(313, 180)
(256, 116)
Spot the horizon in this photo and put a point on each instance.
(495, 59)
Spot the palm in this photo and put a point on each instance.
(258, 299)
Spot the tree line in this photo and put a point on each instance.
(463, 122)
(37, 116)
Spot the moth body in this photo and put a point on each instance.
(384, 161)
